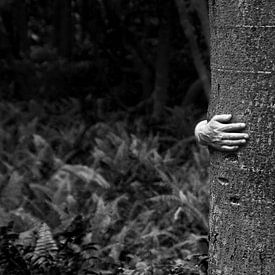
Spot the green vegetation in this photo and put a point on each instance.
(99, 169)
(108, 198)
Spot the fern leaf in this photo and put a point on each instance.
(86, 174)
(45, 245)
(166, 198)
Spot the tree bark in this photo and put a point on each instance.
(242, 221)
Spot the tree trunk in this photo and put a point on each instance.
(190, 34)
(63, 32)
(202, 11)
(20, 25)
(162, 62)
(15, 23)
(242, 221)
(85, 14)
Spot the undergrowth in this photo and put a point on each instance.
(105, 198)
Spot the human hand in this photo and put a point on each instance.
(220, 134)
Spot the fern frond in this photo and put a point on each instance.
(166, 198)
(45, 245)
(87, 174)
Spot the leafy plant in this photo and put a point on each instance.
(97, 199)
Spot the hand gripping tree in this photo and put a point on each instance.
(242, 215)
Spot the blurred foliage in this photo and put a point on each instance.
(99, 170)
(105, 49)
(106, 198)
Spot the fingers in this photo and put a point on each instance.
(233, 127)
(229, 148)
(235, 136)
(234, 142)
(222, 118)
(222, 135)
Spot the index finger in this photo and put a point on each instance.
(235, 136)
(233, 127)
(222, 118)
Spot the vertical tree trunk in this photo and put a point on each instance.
(162, 62)
(21, 25)
(63, 32)
(85, 13)
(15, 22)
(202, 11)
(190, 34)
(242, 207)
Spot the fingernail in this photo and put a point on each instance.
(243, 141)
(242, 124)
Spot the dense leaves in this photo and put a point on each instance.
(130, 55)
(121, 201)
(99, 170)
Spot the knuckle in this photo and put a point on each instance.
(211, 123)
(217, 138)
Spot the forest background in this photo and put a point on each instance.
(99, 169)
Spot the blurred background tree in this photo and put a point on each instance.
(99, 169)
(139, 56)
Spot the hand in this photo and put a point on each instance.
(220, 134)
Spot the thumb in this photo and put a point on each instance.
(222, 118)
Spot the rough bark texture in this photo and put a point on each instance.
(242, 221)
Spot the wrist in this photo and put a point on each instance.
(199, 130)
